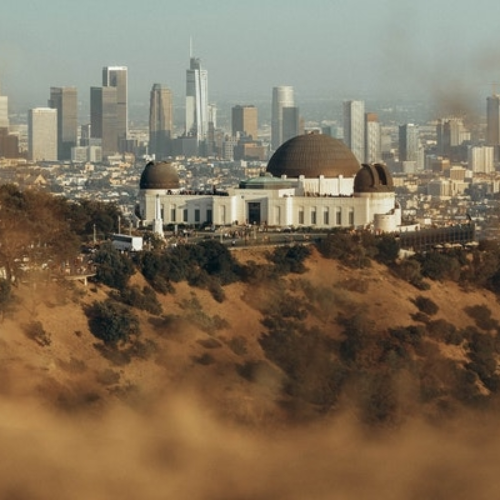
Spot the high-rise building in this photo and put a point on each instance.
(244, 121)
(291, 122)
(282, 98)
(4, 111)
(117, 76)
(373, 142)
(450, 133)
(42, 134)
(103, 118)
(409, 142)
(64, 100)
(160, 121)
(493, 120)
(354, 128)
(197, 108)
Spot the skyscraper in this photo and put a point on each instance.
(197, 109)
(117, 76)
(282, 98)
(354, 128)
(493, 120)
(64, 100)
(42, 134)
(4, 111)
(373, 144)
(160, 121)
(104, 117)
(244, 121)
(409, 143)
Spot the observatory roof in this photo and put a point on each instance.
(313, 155)
(159, 175)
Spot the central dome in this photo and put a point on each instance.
(313, 155)
(159, 175)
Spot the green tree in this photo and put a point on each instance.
(112, 322)
(112, 267)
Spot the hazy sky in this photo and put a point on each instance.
(347, 49)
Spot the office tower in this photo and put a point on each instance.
(64, 100)
(354, 128)
(42, 134)
(160, 121)
(450, 133)
(4, 111)
(197, 108)
(493, 120)
(373, 142)
(409, 143)
(103, 118)
(282, 98)
(116, 76)
(291, 122)
(244, 121)
(481, 159)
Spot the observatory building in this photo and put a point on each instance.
(311, 180)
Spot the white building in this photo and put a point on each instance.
(197, 107)
(42, 134)
(354, 128)
(282, 98)
(481, 159)
(311, 180)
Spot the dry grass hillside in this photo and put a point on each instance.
(198, 344)
(196, 408)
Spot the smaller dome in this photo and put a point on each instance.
(159, 175)
(374, 178)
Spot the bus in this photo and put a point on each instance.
(127, 242)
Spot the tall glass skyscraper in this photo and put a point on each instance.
(64, 100)
(160, 121)
(103, 118)
(4, 111)
(197, 109)
(354, 128)
(282, 98)
(117, 76)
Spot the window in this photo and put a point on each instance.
(351, 217)
(197, 215)
(301, 215)
(209, 215)
(172, 214)
(338, 217)
(326, 217)
(313, 217)
(185, 215)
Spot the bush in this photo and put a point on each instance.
(289, 259)
(36, 332)
(426, 305)
(113, 268)
(112, 322)
(145, 300)
(481, 315)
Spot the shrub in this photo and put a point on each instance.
(289, 259)
(426, 305)
(112, 322)
(481, 315)
(35, 331)
(113, 268)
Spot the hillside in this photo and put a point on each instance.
(200, 382)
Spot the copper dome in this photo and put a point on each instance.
(374, 178)
(159, 175)
(313, 155)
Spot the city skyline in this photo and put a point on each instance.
(350, 51)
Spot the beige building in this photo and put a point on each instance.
(311, 180)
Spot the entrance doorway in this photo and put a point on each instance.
(254, 212)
